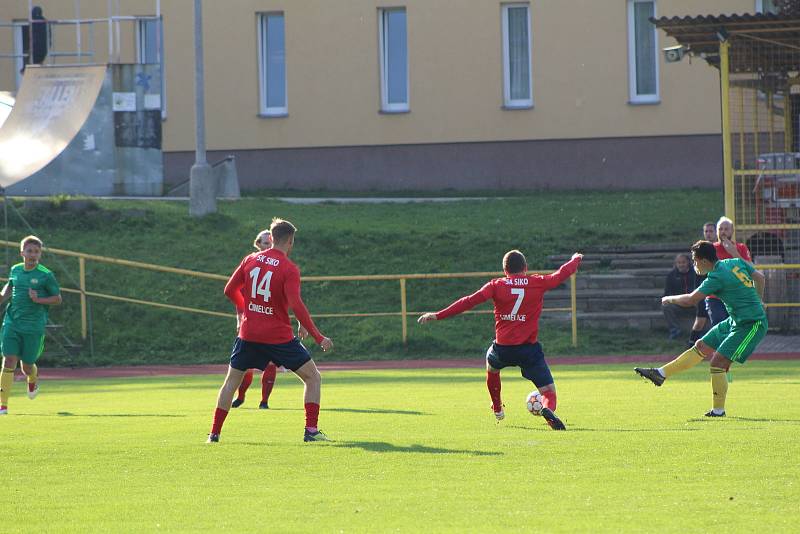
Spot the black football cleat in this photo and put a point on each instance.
(237, 402)
(651, 374)
(315, 436)
(213, 438)
(552, 420)
(710, 413)
(263, 405)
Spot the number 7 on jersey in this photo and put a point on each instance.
(520, 293)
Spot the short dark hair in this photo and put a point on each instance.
(710, 223)
(281, 230)
(514, 262)
(704, 250)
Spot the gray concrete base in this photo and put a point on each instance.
(203, 191)
(618, 163)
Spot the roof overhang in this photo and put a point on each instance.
(758, 43)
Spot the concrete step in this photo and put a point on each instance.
(590, 300)
(621, 280)
(649, 320)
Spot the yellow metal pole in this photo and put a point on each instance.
(787, 120)
(403, 310)
(574, 306)
(82, 276)
(740, 122)
(756, 126)
(771, 122)
(727, 159)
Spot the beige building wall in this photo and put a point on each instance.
(579, 65)
(582, 131)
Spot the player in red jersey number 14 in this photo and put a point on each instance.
(263, 288)
(518, 299)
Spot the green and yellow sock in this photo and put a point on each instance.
(6, 381)
(719, 386)
(685, 361)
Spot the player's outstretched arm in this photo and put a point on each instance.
(687, 300)
(463, 304)
(426, 317)
(557, 278)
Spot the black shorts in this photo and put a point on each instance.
(528, 356)
(250, 355)
(701, 310)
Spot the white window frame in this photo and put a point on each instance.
(760, 7)
(508, 102)
(635, 98)
(386, 106)
(264, 110)
(141, 43)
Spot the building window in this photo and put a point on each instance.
(394, 60)
(150, 51)
(272, 65)
(517, 79)
(766, 6)
(642, 52)
(148, 41)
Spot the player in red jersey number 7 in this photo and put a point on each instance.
(518, 299)
(263, 288)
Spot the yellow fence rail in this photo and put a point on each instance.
(401, 278)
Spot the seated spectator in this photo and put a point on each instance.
(681, 280)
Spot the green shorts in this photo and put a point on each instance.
(736, 341)
(28, 347)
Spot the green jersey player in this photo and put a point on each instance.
(32, 288)
(741, 288)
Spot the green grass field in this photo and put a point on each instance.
(414, 451)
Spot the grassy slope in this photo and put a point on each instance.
(414, 451)
(341, 239)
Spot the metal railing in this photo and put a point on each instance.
(404, 313)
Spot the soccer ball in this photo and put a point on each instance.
(534, 403)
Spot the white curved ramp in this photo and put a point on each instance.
(6, 104)
(51, 106)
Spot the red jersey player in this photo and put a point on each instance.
(263, 288)
(726, 248)
(517, 305)
(262, 242)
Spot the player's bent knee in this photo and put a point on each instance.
(720, 361)
(704, 350)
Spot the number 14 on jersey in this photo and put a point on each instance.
(260, 286)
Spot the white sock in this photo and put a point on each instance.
(717, 411)
(661, 372)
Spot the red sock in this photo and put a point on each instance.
(246, 381)
(493, 385)
(31, 386)
(219, 418)
(312, 415)
(549, 399)
(268, 381)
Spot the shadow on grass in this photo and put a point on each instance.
(584, 429)
(342, 410)
(743, 419)
(382, 446)
(70, 414)
(374, 410)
